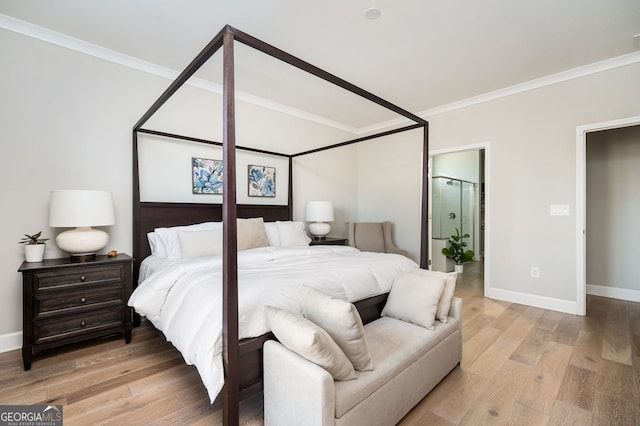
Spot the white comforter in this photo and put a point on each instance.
(184, 299)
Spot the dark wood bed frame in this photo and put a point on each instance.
(242, 360)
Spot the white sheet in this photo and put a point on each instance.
(184, 298)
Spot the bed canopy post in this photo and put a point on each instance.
(424, 222)
(230, 349)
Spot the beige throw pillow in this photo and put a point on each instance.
(413, 300)
(342, 321)
(310, 342)
(251, 234)
(447, 295)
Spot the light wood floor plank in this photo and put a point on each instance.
(564, 414)
(579, 388)
(543, 386)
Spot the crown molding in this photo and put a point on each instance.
(53, 37)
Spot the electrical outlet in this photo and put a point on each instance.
(535, 272)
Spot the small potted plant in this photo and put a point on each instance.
(456, 251)
(33, 247)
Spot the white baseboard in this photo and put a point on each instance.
(10, 341)
(543, 302)
(614, 292)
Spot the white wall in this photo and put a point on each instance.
(463, 165)
(613, 203)
(532, 165)
(390, 186)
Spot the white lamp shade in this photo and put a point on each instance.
(72, 208)
(319, 211)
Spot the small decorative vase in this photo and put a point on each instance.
(458, 268)
(34, 252)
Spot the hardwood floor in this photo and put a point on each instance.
(520, 366)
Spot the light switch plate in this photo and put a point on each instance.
(559, 210)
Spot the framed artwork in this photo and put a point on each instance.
(262, 181)
(207, 176)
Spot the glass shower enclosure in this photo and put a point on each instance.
(453, 206)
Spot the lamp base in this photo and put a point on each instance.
(79, 258)
(82, 241)
(319, 229)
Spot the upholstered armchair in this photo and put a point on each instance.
(372, 236)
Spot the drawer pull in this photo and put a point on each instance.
(83, 278)
(83, 300)
(82, 323)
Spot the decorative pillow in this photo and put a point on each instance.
(447, 295)
(414, 298)
(200, 243)
(251, 234)
(167, 239)
(291, 234)
(271, 230)
(310, 342)
(342, 321)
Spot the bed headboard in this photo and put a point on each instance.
(153, 215)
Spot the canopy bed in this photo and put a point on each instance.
(242, 359)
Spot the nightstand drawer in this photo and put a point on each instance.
(104, 274)
(47, 304)
(68, 327)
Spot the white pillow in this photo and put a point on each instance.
(414, 298)
(251, 234)
(154, 246)
(271, 230)
(342, 321)
(310, 342)
(447, 295)
(168, 241)
(291, 234)
(200, 243)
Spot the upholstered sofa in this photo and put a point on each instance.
(409, 361)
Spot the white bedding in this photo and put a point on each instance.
(183, 298)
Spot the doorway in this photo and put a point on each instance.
(581, 204)
(458, 192)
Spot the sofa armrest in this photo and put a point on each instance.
(456, 309)
(296, 391)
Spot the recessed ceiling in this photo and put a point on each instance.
(419, 55)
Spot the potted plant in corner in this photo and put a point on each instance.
(456, 251)
(33, 247)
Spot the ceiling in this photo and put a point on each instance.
(418, 55)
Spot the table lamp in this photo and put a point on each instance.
(319, 213)
(81, 209)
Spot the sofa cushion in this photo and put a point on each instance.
(394, 345)
(342, 321)
(309, 341)
(414, 298)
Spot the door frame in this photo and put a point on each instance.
(581, 202)
(487, 194)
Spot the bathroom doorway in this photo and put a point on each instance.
(458, 199)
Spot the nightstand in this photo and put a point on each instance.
(329, 241)
(66, 302)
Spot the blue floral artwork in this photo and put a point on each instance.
(207, 176)
(262, 181)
